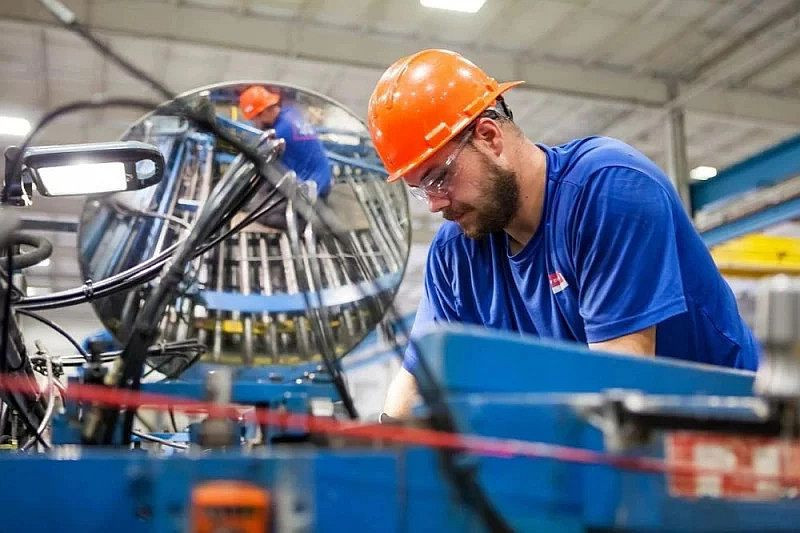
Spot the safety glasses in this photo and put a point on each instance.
(436, 181)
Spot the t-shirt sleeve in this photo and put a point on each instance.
(437, 304)
(626, 254)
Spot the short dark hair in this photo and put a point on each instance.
(501, 113)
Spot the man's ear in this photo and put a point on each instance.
(489, 135)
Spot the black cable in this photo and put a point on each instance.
(259, 211)
(16, 289)
(98, 103)
(163, 442)
(7, 307)
(68, 19)
(151, 214)
(5, 368)
(57, 328)
(332, 364)
(172, 419)
(42, 249)
(132, 277)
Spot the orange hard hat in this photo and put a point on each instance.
(256, 99)
(424, 100)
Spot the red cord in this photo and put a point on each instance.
(477, 444)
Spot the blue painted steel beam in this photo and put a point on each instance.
(771, 166)
(755, 222)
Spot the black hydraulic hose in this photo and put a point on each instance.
(42, 249)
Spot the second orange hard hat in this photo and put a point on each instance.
(424, 100)
(256, 99)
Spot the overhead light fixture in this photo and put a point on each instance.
(702, 173)
(16, 126)
(463, 6)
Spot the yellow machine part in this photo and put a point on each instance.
(758, 255)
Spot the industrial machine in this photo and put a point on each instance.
(218, 401)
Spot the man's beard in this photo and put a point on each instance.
(500, 201)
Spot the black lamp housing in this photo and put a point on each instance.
(82, 169)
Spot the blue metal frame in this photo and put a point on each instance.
(771, 166)
(766, 169)
(755, 222)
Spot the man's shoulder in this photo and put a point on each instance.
(584, 158)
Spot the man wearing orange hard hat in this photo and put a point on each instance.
(304, 152)
(586, 241)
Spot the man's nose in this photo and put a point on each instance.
(437, 203)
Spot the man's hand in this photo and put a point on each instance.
(639, 343)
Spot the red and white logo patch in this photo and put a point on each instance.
(557, 282)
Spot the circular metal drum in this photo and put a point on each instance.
(253, 299)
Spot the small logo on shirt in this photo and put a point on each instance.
(557, 282)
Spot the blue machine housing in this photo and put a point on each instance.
(498, 385)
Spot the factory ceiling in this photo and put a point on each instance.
(608, 67)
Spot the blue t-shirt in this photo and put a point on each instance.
(304, 151)
(615, 253)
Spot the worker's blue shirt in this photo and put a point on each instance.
(304, 151)
(615, 253)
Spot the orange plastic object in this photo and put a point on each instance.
(228, 506)
(424, 100)
(256, 99)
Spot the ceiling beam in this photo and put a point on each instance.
(739, 47)
(270, 35)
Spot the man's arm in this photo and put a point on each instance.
(402, 395)
(638, 343)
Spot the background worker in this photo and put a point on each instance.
(586, 242)
(304, 152)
